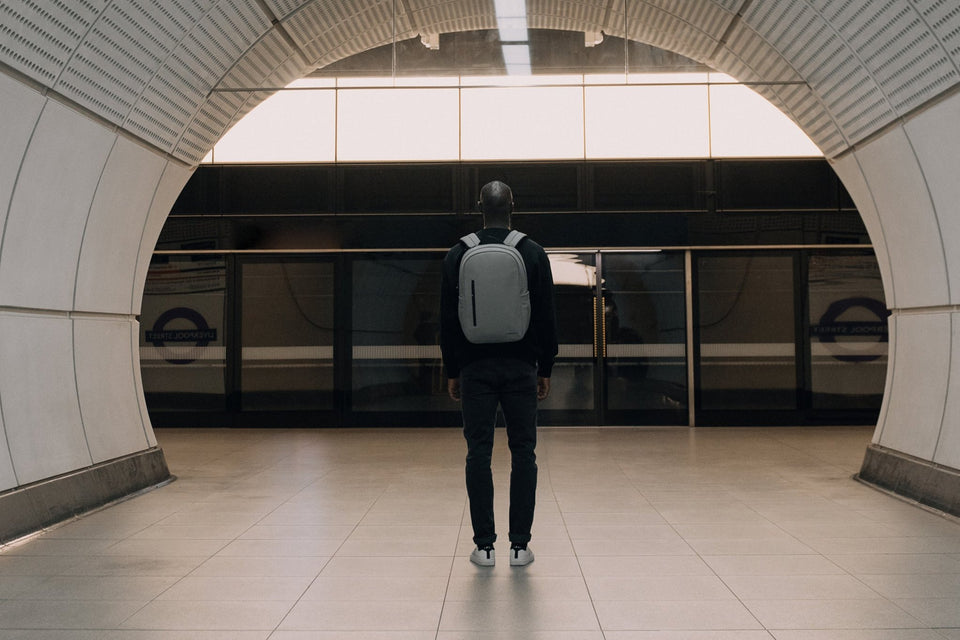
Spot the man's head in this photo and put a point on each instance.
(496, 204)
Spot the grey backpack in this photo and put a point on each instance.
(494, 303)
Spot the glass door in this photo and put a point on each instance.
(622, 339)
(575, 380)
(643, 342)
(286, 358)
(747, 337)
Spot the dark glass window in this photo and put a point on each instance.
(776, 184)
(278, 189)
(536, 187)
(398, 189)
(648, 186)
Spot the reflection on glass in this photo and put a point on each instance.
(645, 332)
(571, 385)
(848, 332)
(287, 321)
(183, 324)
(396, 329)
(747, 332)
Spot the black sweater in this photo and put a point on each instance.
(539, 344)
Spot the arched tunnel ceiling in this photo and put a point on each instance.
(159, 68)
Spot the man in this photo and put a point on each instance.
(511, 375)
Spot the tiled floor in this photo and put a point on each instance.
(674, 534)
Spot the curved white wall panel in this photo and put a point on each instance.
(849, 171)
(917, 395)
(111, 240)
(172, 181)
(20, 106)
(106, 388)
(51, 200)
(936, 141)
(8, 479)
(948, 450)
(38, 394)
(138, 383)
(910, 225)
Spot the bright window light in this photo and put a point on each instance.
(744, 124)
(397, 124)
(647, 122)
(522, 123)
(691, 115)
(290, 126)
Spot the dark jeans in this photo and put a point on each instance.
(511, 384)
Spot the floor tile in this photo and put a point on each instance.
(831, 614)
(360, 615)
(208, 615)
(518, 615)
(674, 615)
(640, 534)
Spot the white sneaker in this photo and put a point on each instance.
(483, 556)
(520, 556)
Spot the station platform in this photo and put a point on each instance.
(640, 534)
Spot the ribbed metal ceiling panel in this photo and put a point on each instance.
(444, 16)
(566, 16)
(203, 58)
(896, 47)
(282, 8)
(328, 30)
(826, 62)
(690, 29)
(943, 18)
(151, 65)
(38, 37)
(750, 58)
(270, 63)
(123, 50)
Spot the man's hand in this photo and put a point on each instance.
(543, 388)
(453, 388)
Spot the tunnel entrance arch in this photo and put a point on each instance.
(122, 125)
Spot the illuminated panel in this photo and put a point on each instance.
(522, 123)
(647, 122)
(397, 124)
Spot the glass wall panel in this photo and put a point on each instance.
(645, 332)
(398, 189)
(182, 340)
(536, 187)
(777, 185)
(747, 332)
(631, 122)
(396, 330)
(522, 123)
(288, 329)
(646, 186)
(418, 124)
(848, 332)
(290, 126)
(572, 382)
(744, 124)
